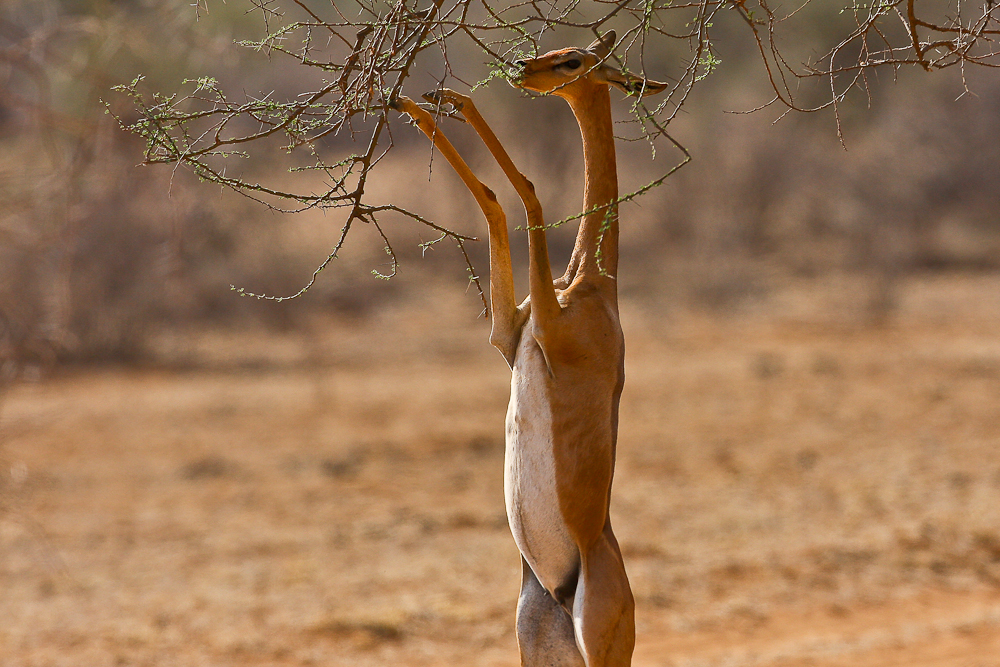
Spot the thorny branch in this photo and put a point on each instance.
(366, 50)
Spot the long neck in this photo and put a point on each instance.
(595, 254)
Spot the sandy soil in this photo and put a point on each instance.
(794, 488)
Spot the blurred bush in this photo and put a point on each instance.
(914, 187)
(96, 254)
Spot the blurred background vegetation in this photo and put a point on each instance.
(810, 471)
(98, 256)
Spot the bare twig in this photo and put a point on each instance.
(371, 50)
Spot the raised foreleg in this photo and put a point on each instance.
(544, 305)
(507, 321)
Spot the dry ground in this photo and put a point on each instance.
(794, 488)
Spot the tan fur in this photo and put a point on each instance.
(566, 350)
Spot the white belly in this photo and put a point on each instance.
(529, 480)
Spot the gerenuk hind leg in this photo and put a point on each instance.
(545, 633)
(603, 607)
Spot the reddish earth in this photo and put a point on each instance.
(793, 488)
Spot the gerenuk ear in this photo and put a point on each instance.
(629, 83)
(603, 45)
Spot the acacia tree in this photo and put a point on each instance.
(366, 50)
